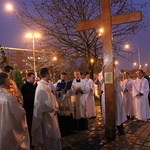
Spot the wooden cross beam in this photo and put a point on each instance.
(106, 22)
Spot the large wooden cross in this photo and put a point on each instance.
(106, 21)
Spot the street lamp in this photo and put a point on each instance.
(92, 60)
(54, 60)
(134, 64)
(116, 62)
(33, 36)
(9, 7)
(127, 46)
(146, 66)
(100, 32)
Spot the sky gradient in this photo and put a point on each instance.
(12, 34)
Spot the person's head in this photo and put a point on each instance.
(82, 75)
(45, 74)
(30, 77)
(140, 73)
(127, 75)
(4, 80)
(9, 70)
(87, 74)
(77, 74)
(63, 76)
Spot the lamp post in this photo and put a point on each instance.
(54, 60)
(33, 36)
(127, 46)
(139, 58)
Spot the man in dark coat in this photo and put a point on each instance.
(28, 92)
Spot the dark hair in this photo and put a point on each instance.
(7, 69)
(44, 72)
(141, 71)
(29, 74)
(63, 73)
(87, 73)
(3, 76)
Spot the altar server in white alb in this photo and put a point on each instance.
(140, 94)
(127, 96)
(120, 111)
(80, 88)
(90, 102)
(13, 127)
(45, 129)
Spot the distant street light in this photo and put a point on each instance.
(127, 46)
(92, 60)
(9, 7)
(101, 31)
(54, 60)
(116, 62)
(146, 65)
(33, 36)
(134, 64)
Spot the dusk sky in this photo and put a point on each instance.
(12, 34)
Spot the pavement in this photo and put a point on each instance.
(137, 136)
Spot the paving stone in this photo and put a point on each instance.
(137, 137)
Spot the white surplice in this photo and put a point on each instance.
(79, 99)
(142, 110)
(120, 114)
(90, 101)
(127, 96)
(13, 127)
(45, 128)
(101, 80)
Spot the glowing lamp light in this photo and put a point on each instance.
(127, 46)
(9, 7)
(101, 31)
(92, 60)
(116, 62)
(54, 58)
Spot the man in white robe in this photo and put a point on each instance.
(13, 127)
(127, 96)
(80, 88)
(90, 101)
(140, 94)
(45, 129)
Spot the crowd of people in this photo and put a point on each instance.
(37, 115)
(41, 111)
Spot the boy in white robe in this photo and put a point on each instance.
(13, 127)
(90, 101)
(140, 94)
(120, 115)
(127, 96)
(45, 129)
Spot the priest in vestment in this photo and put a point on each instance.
(140, 94)
(13, 89)
(63, 97)
(80, 88)
(13, 127)
(45, 129)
